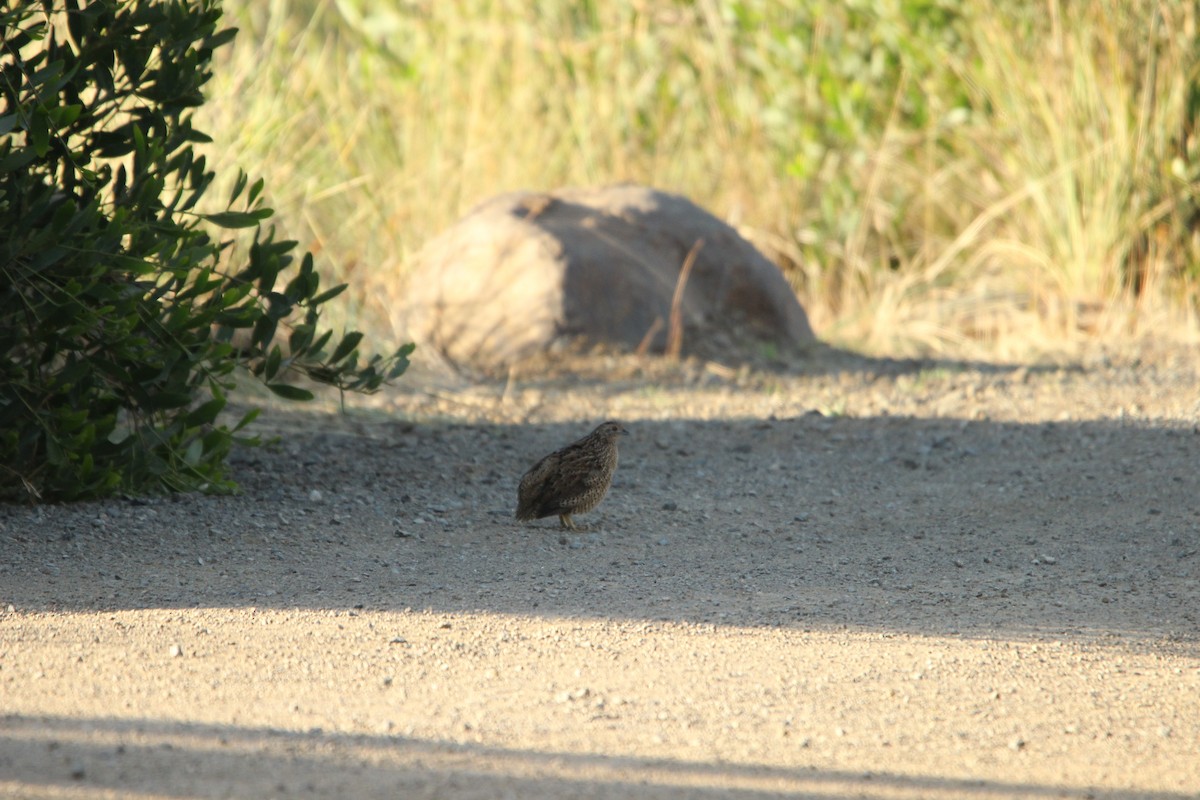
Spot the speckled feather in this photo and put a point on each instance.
(572, 480)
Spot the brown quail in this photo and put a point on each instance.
(572, 480)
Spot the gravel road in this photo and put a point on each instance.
(841, 577)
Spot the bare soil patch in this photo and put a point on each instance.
(837, 577)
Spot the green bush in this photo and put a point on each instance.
(123, 322)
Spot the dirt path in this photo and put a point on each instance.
(863, 579)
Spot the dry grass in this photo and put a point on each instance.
(1002, 182)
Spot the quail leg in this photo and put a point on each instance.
(565, 521)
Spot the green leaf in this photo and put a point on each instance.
(255, 191)
(273, 360)
(39, 134)
(17, 160)
(239, 219)
(166, 400)
(326, 296)
(234, 295)
(63, 116)
(346, 346)
(289, 392)
(319, 345)
(264, 331)
(300, 338)
(247, 418)
(206, 413)
(220, 38)
(119, 434)
(195, 450)
(278, 305)
(239, 185)
(400, 361)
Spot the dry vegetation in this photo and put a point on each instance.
(987, 177)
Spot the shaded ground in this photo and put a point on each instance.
(849, 578)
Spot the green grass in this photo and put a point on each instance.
(932, 176)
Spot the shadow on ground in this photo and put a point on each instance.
(108, 754)
(929, 526)
(603, 370)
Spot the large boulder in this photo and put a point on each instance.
(525, 271)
